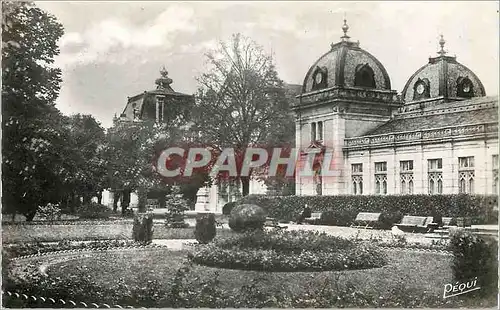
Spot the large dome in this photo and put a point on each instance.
(346, 65)
(442, 77)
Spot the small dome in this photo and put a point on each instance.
(442, 77)
(346, 65)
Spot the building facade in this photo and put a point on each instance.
(439, 136)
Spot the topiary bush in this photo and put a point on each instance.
(342, 210)
(228, 207)
(93, 210)
(247, 217)
(175, 217)
(142, 231)
(475, 256)
(205, 229)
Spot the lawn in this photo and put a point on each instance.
(118, 230)
(420, 271)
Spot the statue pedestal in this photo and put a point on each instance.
(202, 199)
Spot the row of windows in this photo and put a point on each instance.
(466, 176)
(421, 88)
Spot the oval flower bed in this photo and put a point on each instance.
(288, 251)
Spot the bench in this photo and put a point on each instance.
(416, 224)
(366, 220)
(315, 217)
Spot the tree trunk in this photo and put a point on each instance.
(245, 185)
(125, 200)
(99, 197)
(86, 199)
(142, 199)
(116, 198)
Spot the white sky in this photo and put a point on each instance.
(112, 50)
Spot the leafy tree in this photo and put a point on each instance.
(83, 160)
(31, 124)
(241, 101)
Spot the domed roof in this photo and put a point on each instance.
(346, 65)
(442, 77)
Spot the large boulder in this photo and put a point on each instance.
(247, 217)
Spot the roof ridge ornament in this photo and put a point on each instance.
(442, 52)
(345, 28)
(164, 81)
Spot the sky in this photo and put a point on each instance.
(114, 50)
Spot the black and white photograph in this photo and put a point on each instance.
(240, 154)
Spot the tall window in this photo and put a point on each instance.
(406, 176)
(313, 131)
(466, 174)
(357, 179)
(320, 131)
(317, 131)
(495, 174)
(159, 108)
(381, 178)
(435, 176)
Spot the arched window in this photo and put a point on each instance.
(465, 88)
(421, 89)
(364, 76)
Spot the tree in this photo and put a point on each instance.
(31, 124)
(241, 101)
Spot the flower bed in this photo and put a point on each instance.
(288, 251)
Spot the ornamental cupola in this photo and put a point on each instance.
(161, 105)
(443, 79)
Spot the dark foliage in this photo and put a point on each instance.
(475, 257)
(205, 229)
(342, 210)
(143, 228)
(93, 210)
(247, 217)
(228, 207)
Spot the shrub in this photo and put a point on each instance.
(228, 207)
(205, 229)
(175, 217)
(247, 217)
(475, 256)
(342, 210)
(50, 211)
(288, 251)
(93, 210)
(142, 230)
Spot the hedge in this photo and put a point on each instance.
(342, 210)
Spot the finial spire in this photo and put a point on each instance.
(442, 52)
(164, 81)
(345, 27)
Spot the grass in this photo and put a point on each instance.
(421, 271)
(83, 232)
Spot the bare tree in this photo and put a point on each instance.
(241, 101)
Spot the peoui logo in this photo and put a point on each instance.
(285, 162)
(451, 290)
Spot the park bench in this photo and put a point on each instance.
(366, 220)
(416, 224)
(315, 217)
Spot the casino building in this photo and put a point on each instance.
(439, 136)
